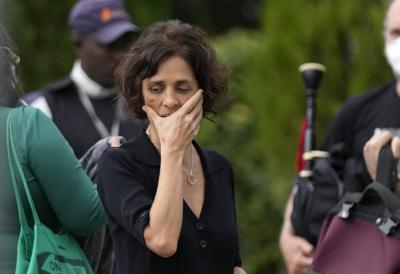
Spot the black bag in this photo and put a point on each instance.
(361, 235)
(313, 198)
(98, 247)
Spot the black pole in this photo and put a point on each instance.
(312, 74)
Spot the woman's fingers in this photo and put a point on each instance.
(194, 118)
(198, 108)
(196, 123)
(151, 114)
(191, 103)
(198, 117)
(196, 130)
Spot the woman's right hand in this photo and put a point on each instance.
(177, 131)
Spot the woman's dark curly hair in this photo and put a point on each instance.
(160, 42)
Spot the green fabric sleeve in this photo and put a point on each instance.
(66, 186)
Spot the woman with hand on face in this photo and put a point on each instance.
(170, 202)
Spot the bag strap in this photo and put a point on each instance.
(13, 161)
(386, 167)
(343, 208)
(388, 225)
(387, 197)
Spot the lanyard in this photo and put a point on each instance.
(98, 124)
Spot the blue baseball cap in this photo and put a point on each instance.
(103, 20)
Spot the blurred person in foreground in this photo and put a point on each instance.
(352, 127)
(83, 105)
(62, 193)
(170, 202)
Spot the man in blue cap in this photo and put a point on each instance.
(83, 105)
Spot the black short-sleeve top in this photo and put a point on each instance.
(128, 178)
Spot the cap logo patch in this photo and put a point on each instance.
(105, 15)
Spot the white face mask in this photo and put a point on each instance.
(392, 52)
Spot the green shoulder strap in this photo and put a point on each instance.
(14, 162)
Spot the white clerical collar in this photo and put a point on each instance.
(87, 85)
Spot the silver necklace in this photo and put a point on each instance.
(191, 177)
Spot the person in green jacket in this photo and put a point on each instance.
(63, 194)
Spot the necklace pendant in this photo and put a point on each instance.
(192, 179)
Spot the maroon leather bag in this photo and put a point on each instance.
(362, 234)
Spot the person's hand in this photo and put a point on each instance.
(297, 253)
(396, 147)
(374, 146)
(115, 141)
(179, 129)
(239, 270)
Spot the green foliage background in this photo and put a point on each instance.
(258, 127)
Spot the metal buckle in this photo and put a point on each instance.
(388, 225)
(344, 212)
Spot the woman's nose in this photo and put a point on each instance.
(170, 99)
